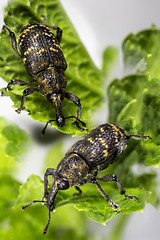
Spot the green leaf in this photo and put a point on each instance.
(143, 50)
(13, 222)
(54, 155)
(36, 184)
(13, 143)
(90, 201)
(134, 101)
(65, 220)
(126, 101)
(138, 107)
(110, 56)
(8, 195)
(84, 78)
(134, 104)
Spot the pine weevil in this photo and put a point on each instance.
(81, 164)
(43, 58)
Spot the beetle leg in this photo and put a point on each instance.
(13, 40)
(34, 201)
(114, 205)
(92, 179)
(49, 171)
(59, 32)
(73, 98)
(78, 121)
(26, 92)
(79, 191)
(113, 178)
(59, 115)
(16, 82)
(44, 129)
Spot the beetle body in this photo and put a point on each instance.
(43, 58)
(90, 154)
(40, 49)
(101, 147)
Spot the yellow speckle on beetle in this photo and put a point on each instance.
(105, 153)
(74, 166)
(24, 60)
(40, 51)
(90, 140)
(53, 49)
(59, 97)
(31, 26)
(36, 36)
(116, 129)
(25, 53)
(101, 129)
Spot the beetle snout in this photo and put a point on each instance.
(50, 201)
(50, 206)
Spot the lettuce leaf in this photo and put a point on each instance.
(90, 201)
(84, 78)
(14, 142)
(134, 103)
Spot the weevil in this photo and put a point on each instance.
(98, 149)
(43, 58)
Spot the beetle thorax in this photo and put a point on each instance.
(122, 145)
(51, 81)
(74, 169)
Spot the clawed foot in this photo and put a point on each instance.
(130, 197)
(79, 191)
(114, 205)
(78, 122)
(19, 110)
(3, 93)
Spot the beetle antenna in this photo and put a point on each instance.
(46, 228)
(84, 124)
(139, 137)
(44, 129)
(34, 201)
(76, 122)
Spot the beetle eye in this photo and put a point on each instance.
(64, 184)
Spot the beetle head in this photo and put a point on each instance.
(58, 184)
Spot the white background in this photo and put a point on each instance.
(100, 23)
